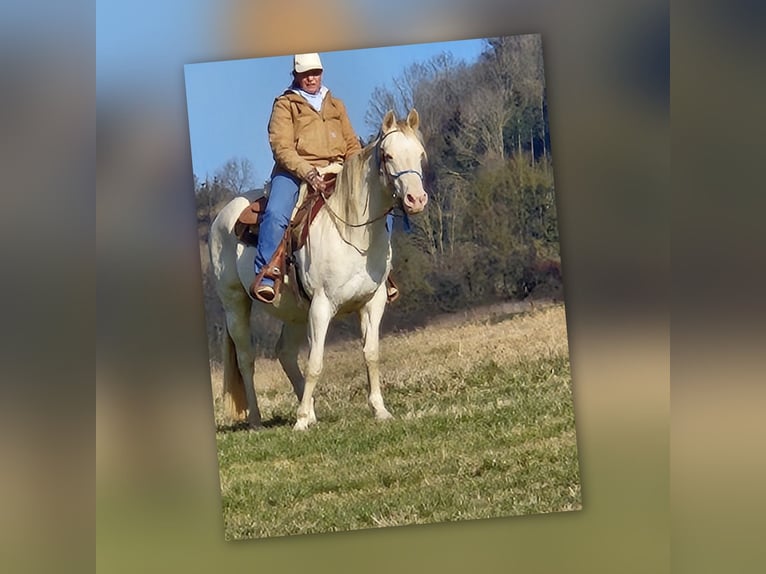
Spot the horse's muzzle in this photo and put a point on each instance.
(415, 202)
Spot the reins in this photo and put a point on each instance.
(339, 218)
(393, 176)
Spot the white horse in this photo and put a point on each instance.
(342, 267)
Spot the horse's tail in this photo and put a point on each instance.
(234, 397)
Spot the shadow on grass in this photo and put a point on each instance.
(274, 422)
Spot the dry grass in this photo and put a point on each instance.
(418, 357)
(483, 427)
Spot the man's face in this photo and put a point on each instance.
(310, 81)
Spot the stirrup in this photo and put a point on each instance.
(392, 291)
(259, 291)
(264, 293)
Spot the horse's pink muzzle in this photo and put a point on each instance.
(415, 202)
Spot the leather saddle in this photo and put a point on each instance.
(281, 269)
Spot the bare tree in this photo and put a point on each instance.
(236, 175)
(514, 65)
(484, 116)
(423, 85)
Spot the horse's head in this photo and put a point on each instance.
(402, 157)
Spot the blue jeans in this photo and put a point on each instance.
(282, 199)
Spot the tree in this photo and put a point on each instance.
(514, 64)
(236, 175)
(423, 85)
(484, 115)
(490, 229)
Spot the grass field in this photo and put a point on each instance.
(484, 427)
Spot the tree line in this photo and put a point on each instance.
(490, 230)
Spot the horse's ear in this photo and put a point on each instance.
(413, 119)
(389, 121)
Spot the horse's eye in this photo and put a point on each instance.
(388, 156)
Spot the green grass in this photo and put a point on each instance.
(472, 439)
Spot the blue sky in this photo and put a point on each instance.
(229, 102)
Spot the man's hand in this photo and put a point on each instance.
(315, 181)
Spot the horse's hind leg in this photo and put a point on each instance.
(370, 316)
(238, 325)
(287, 351)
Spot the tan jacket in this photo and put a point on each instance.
(301, 138)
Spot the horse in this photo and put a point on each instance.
(342, 267)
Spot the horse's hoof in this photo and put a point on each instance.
(302, 425)
(256, 428)
(383, 415)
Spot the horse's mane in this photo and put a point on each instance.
(351, 184)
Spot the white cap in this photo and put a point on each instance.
(305, 62)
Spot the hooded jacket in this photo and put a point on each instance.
(302, 138)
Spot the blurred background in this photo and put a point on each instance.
(606, 75)
(609, 96)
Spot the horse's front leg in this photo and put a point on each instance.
(287, 351)
(370, 316)
(320, 314)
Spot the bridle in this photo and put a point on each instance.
(391, 177)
